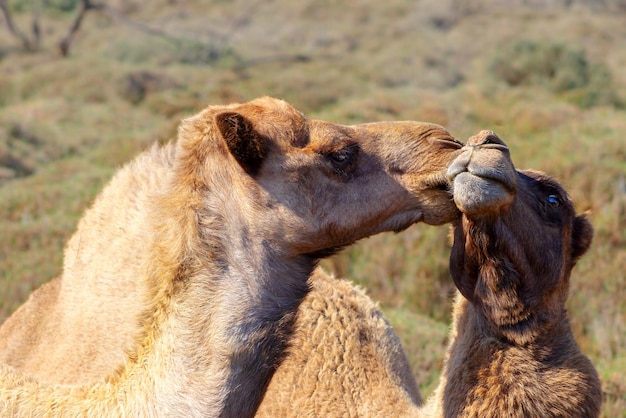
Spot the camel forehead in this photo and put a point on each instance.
(545, 181)
(293, 130)
(326, 136)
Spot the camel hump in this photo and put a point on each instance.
(344, 359)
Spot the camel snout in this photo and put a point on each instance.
(483, 177)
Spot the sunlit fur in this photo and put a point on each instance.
(180, 286)
(344, 360)
(511, 351)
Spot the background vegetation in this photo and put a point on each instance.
(548, 76)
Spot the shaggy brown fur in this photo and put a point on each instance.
(512, 352)
(181, 284)
(344, 360)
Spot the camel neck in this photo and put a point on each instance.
(254, 308)
(228, 310)
(541, 333)
(516, 303)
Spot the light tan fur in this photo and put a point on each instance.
(181, 284)
(345, 360)
(511, 351)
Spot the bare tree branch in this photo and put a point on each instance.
(220, 39)
(217, 44)
(35, 24)
(26, 43)
(86, 5)
(121, 19)
(83, 7)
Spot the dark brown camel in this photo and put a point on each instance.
(512, 352)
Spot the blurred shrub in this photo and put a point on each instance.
(28, 5)
(558, 67)
(19, 5)
(164, 51)
(63, 5)
(25, 145)
(136, 85)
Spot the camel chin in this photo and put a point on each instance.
(475, 195)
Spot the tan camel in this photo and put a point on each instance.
(181, 284)
(512, 352)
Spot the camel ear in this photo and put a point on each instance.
(244, 142)
(463, 269)
(582, 235)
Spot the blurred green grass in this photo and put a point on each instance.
(67, 124)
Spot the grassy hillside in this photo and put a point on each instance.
(550, 79)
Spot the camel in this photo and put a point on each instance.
(181, 284)
(511, 351)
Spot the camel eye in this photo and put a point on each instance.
(340, 157)
(554, 201)
(343, 159)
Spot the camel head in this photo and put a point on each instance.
(517, 241)
(309, 186)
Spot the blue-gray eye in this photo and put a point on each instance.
(554, 201)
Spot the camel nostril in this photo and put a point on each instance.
(485, 137)
(481, 138)
(492, 139)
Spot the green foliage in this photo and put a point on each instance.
(62, 5)
(403, 270)
(19, 6)
(559, 67)
(421, 334)
(47, 5)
